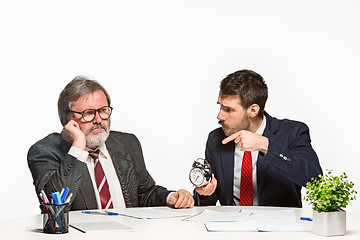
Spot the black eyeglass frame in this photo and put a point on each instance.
(95, 110)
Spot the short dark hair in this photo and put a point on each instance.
(249, 86)
(78, 87)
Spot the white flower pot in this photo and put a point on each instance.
(329, 223)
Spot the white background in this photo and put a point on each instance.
(162, 62)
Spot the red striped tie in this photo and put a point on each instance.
(101, 182)
(246, 186)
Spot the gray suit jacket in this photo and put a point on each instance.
(53, 168)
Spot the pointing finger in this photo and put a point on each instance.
(230, 138)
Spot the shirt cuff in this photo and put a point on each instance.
(81, 155)
(168, 198)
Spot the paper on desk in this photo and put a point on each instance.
(250, 226)
(148, 213)
(247, 226)
(271, 215)
(215, 216)
(101, 227)
(280, 227)
(268, 220)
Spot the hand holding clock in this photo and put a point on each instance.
(247, 141)
(209, 188)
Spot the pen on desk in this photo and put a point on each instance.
(102, 213)
(305, 218)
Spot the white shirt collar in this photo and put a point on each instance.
(261, 129)
(103, 150)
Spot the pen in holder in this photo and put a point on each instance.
(55, 217)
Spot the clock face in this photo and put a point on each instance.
(197, 177)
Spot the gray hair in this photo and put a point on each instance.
(78, 87)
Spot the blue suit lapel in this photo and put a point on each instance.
(227, 162)
(262, 165)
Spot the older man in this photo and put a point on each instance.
(103, 169)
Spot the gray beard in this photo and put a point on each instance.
(94, 141)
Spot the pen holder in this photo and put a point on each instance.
(55, 218)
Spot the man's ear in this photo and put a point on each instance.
(65, 118)
(253, 110)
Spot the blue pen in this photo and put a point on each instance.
(102, 213)
(53, 198)
(57, 198)
(64, 194)
(305, 218)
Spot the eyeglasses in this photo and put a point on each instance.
(89, 114)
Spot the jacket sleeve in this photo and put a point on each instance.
(290, 151)
(52, 168)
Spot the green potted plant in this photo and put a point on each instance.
(329, 195)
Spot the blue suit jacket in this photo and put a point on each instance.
(289, 163)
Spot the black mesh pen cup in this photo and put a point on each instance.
(55, 217)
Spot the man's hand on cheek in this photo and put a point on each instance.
(73, 134)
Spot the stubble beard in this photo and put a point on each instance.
(243, 125)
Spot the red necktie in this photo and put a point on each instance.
(246, 185)
(101, 182)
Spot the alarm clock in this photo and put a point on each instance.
(200, 173)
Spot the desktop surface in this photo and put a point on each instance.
(166, 228)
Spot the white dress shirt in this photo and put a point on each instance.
(109, 170)
(237, 170)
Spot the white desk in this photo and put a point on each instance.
(168, 228)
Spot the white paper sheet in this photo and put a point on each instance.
(250, 226)
(251, 220)
(247, 226)
(111, 226)
(215, 216)
(148, 213)
(280, 227)
(271, 215)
